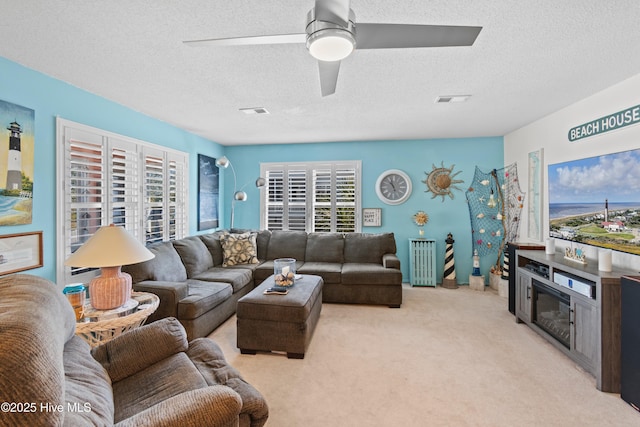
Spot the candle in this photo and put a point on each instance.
(604, 260)
(285, 270)
(550, 247)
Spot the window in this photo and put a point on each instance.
(111, 179)
(313, 196)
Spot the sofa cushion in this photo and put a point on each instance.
(167, 378)
(194, 254)
(287, 244)
(168, 292)
(140, 348)
(203, 296)
(325, 247)
(166, 266)
(209, 359)
(239, 249)
(365, 248)
(262, 242)
(331, 272)
(237, 277)
(212, 241)
(370, 274)
(262, 271)
(84, 377)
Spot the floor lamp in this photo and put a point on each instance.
(238, 196)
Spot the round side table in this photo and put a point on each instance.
(100, 326)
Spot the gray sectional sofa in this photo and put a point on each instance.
(199, 281)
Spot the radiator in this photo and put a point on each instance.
(422, 259)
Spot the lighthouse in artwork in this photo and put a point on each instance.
(14, 163)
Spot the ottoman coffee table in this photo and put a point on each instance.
(279, 322)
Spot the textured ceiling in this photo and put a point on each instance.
(530, 59)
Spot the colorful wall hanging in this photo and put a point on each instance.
(495, 206)
(16, 163)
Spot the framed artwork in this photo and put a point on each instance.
(208, 192)
(22, 251)
(535, 195)
(372, 217)
(16, 163)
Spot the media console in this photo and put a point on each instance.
(575, 307)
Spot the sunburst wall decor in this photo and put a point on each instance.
(440, 181)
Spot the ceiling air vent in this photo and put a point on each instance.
(444, 99)
(254, 110)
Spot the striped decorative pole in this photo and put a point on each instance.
(449, 280)
(505, 265)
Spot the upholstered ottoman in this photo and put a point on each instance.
(279, 322)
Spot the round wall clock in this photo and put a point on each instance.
(393, 187)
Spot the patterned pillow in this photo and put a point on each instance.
(239, 249)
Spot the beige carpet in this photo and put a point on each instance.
(448, 357)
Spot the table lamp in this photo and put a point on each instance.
(109, 248)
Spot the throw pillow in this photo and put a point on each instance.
(239, 249)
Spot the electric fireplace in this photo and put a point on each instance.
(551, 312)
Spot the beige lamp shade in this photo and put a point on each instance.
(110, 248)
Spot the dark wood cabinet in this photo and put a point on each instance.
(630, 342)
(511, 253)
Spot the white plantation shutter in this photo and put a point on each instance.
(85, 174)
(297, 199)
(104, 179)
(274, 203)
(165, 189)
(315, 196)
(345, 198)
(154, 198)
(322, 195)
(177, 195)
(125, 185)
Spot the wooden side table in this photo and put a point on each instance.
(100, 326)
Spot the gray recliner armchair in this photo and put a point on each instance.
(150, 376)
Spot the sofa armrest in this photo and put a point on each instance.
(170, 293)
(140, 348)
(391, 261)
(209, 406)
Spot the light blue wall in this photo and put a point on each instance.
(416, 158)
(50, 98)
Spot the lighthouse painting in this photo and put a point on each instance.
(16, 163)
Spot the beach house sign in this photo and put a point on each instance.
(623, 118)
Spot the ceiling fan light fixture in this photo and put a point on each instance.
(445, 99)
(331, 44)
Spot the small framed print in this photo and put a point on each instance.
(372, 217)
(20, 252)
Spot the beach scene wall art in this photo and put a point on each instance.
(17, 125)
(596, 201)
(208, 192)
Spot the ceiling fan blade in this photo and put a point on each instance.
(328, 76)
(336, 11)
(389, 36)
(251, 40)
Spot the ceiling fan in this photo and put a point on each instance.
(332, 34)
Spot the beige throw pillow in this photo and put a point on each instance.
(239, 249)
